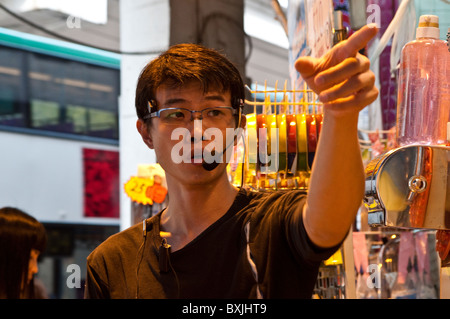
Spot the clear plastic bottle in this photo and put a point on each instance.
(424, 87)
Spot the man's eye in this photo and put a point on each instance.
(175, 115)
(215, 112)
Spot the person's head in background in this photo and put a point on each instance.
(22, 240)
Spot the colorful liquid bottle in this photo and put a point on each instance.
(424, 87)
(263, 156)
(311, 125)
(251, 150)
(302, 143)
(319, 121)
(272, 145)
(282, 140)
(291, 125)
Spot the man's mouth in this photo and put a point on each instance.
(196, 159)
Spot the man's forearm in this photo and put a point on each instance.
(337, 182)
(345, 84)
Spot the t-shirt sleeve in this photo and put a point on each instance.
(301, 242)
(297, 236)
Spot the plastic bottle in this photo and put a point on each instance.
(423, 87)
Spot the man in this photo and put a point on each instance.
(216, 241)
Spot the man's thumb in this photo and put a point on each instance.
(306, 66)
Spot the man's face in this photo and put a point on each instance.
(178, 143)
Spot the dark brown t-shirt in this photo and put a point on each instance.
(258, 249)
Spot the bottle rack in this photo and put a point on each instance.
(280, 139)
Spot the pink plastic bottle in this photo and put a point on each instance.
(424, 87)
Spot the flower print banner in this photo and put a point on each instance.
(101, 183)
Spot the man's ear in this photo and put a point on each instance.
(243, 121)
(242, 124)
(144, 130)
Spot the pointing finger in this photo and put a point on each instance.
(309, 67)
(351, 46)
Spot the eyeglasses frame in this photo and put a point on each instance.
(158, 112)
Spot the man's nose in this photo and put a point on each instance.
(197, 131)
(196, 117)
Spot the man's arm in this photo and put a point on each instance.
(345, 85)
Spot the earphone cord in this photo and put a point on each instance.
(176, 279)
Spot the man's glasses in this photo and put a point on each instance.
(212, 116)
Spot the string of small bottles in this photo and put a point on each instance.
(279, 141)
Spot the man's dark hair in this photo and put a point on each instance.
(184, 63)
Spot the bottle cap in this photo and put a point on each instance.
(428, 27)
(338, 23)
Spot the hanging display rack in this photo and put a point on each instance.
(280, 139)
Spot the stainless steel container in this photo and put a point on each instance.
(408, 187)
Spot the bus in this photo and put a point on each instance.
(56, 88)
